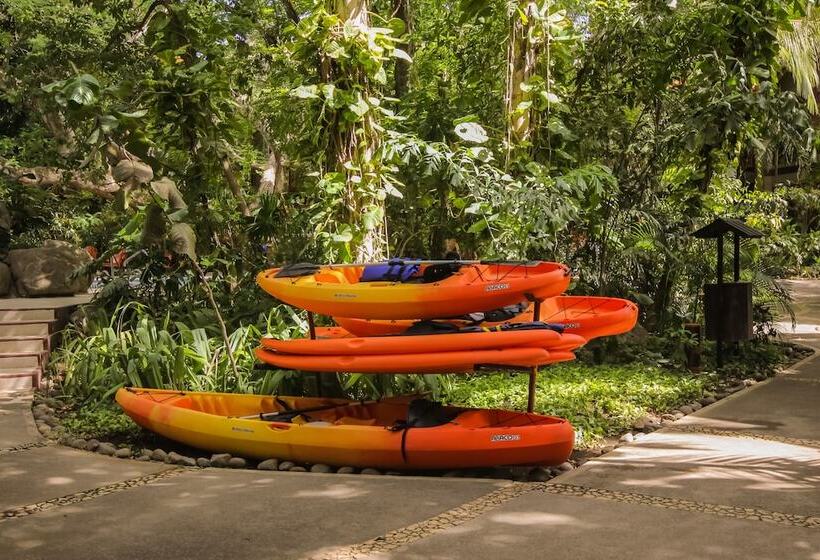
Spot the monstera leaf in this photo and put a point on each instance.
(167, 190)
(183, 240)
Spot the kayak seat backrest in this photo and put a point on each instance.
(422, 413)
(330, 277)
(389, 272)
(437, 272)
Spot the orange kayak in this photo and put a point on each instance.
(351, 291)
(449, 342)
(587, 316)
(434, 362)
(341, 432)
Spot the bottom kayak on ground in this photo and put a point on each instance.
(397, 433)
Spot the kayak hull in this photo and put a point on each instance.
(475, 438)
(434, 362)
(587, 316)
(339, 344)
(475, 287)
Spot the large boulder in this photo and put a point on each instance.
(5, 279)
(49, 270)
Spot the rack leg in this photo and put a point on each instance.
(536, 310)
(531, 393)
(311, 326)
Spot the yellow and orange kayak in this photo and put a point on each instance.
(433, 362)
(587, 316)
(340, 432)
(340, 289)
(343, 344)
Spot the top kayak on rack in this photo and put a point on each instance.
(413, 289)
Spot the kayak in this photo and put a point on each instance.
(433, 362)
(381, 434)
(587, 316)
(447, 291)
(448, 342)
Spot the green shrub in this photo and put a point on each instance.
(599, 400)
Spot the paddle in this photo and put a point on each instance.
(288, 414)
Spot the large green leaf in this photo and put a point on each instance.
(183, 240)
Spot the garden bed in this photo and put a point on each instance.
(608, 404)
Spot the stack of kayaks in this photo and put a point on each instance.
(400, 317)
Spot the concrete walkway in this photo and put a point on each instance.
(738, 479)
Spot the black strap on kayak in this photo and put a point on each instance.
(422, 413)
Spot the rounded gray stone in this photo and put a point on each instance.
(187, 462)
(346, 470)
(706, 401)
(237, 463)
(320, 468)
(286, 465)
(565, 467)
(686, 409)
(627, 437)
(144, 458)
(297, 468)
(220, 460)
(122, 453)
(268, 465)
(203, 462)
(371, 471)
(173, 458)
(158, 455)
(539, 474)
(92, 445)
(696, 405)
(106, 449)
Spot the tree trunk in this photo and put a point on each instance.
(401, 10)
(346, 146)
(521, 56)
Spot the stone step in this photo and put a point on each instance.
(23, 344)
(25, 328)
(17, 379)
(9, 315)
(24, 360)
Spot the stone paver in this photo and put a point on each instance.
(234, 514)
(543, 526)
(36, 475)
(780, 407)
(16, 424)
(711, 469)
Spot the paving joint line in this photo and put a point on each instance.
(688, 428)
(754, 514)
(417, 531)
(91, 494)
(25, 447)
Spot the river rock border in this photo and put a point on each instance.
(86, 495)
(753, 514)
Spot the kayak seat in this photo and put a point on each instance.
(389, 272)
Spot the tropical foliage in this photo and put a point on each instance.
(209, 139)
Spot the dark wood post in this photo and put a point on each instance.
(531, 392)
(719, 335)
(737, 258)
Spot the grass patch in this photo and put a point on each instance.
(600, 400)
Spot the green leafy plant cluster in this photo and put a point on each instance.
(599, 400)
